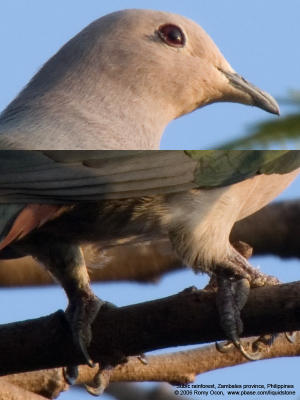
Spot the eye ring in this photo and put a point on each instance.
(172, 35)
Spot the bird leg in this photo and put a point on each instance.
(234, 279)
(66, 262)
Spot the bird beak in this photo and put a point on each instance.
(254, 95)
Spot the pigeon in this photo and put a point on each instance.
(118, 83)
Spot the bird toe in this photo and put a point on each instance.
(80, 315)
(231, 297)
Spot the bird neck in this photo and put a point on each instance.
(65, 121)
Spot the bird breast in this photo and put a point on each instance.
(200, 221)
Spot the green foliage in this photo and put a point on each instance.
(280, 133)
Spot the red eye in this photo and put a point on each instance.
(172, 35)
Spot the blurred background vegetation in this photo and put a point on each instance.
(281, 133)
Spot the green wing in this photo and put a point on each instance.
(71, 176)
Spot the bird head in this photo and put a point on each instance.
(166, 61)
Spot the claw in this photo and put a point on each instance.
(100, 382)
(266, 340)
(250, 356)
(70, 374)
(227, 346)
(142, 358)
(291, 336)
(224, 347)
(83, 348)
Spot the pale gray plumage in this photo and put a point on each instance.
(118, 83)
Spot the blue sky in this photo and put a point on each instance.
(260, 40)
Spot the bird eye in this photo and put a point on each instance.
(172, 35)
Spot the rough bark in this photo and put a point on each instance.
(48, 383)
(8, 391)
(189, 317)
(177, 367)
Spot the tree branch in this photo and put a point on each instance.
(156, 258)
(275, 229)
(8, 391)
(48, 383)
(183, 366)
(178, 367)
(186, 318)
